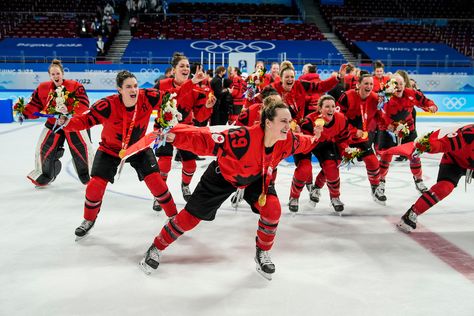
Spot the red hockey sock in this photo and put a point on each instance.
(384, 164)
(373, 169)
(415, 167)
(175, 227)
(189, 167)
(164, 162)
(94, 193)
(159, 189)
(320, 179)
(267, 224)
(300, 177)
(435, 194)
(331, 171)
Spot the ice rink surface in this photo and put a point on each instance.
(355, 264)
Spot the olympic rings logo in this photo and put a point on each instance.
(232, 46)
(432, 83)
(150, 71)
(454, 103)
(108, 81)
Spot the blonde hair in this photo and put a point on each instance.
(56, 63)
(286, 65)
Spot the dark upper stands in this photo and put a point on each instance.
(227, 22)
(374, 21)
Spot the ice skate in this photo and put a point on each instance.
(293, 205)
(338, 205)
(420, 185)
(83, 230)
(264, 263)
(237, 198)
(186, 191)
(156, 205)
(314, 195)
(151, 260)
(408, 221)
(378, 195)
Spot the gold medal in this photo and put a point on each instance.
(293, 125)
(319, 122)
(365, 135)
(262, 199)
(122, 153)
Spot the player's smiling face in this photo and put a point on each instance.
(56, 75)
(366, 86)
(129, 91)
(327, 110)
(288, 79)
(181, 71)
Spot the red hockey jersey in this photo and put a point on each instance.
(400, 109)
(336, 131)
(116, 119)
(240, 151)
(41, 97)
(250, 116)
(191, 99)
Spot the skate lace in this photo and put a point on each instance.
(86, 224)
(264, 257)
(412, 216)
(379, 191)
(315, 193)
(186, 190)
(154, 254)
(336, 201)
(293, 202)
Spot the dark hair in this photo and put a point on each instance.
(312, 69)
(177, 57)
(349, 67)
(219, 70)
(363, 76)
(324, 98)
(210, 73)
(194, 67)
(378, 64)
(122, 76)
(56, 63)
(269, 111)
(363, 72)
(268, 91)
(168, 70)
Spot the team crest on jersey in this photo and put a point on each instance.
(217, 138)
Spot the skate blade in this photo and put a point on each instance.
(267, 276)
(404, 228)
(338, 213)
(79, 238)
(383, 203)
(313, 203)
(144, 267)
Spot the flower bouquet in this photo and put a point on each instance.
(387, 92)
(168, 117)
(18, 109)
(61, 103)
(422, 144)
(255, 81)
(349, 154)
(401, 130)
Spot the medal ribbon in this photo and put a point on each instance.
(126, 140)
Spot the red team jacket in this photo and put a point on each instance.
(250, 116)
(110, 112)
(379, 84)
(336, 131)
(295, 99)
(352, 106)
(239, 86)
(458, 147)
(400, 109)
(40, 98)
(191, 99)
(239, 151)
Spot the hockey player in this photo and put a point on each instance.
(246, 157)
(50, 145)
(124, 117)
(194, 104)
(333, 140)
(360, 108)
(457, 161)
(398, 111)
